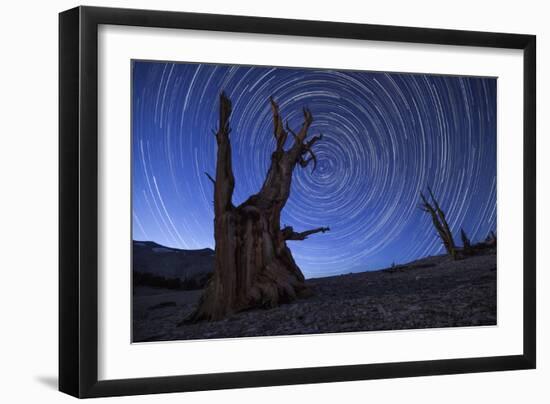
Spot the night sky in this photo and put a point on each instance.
(386, 137)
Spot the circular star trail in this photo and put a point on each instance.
(386, 137)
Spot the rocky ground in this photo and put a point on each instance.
(430, 293)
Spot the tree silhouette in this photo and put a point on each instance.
(466, 244)
(440, 222)
(253, 265)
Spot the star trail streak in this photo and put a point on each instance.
(386, 136)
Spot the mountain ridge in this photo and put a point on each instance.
(154, 264)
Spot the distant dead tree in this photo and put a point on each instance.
(440, 222)
(491, 240)
(253, 265)
(467, 245)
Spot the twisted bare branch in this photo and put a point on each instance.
(290, 234)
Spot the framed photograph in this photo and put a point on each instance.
(251, 201)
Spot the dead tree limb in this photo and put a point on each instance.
(440, 222)
(290, 234)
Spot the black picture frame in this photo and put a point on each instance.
(78, 201)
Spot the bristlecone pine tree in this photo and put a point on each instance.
(253, 265)
(440, 223)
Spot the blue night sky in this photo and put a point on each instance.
(386, 137)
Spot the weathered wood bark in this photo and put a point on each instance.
(253, 265)
(440, 223)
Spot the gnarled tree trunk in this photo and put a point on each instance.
(253, 265)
